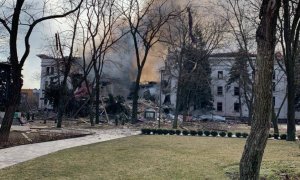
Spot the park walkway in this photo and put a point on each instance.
(14, 155)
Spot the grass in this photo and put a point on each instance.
(157, 157)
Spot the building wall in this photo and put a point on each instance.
(228, 97)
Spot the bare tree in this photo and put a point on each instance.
(242, 24)
(289, 37)
(145, 20)
(102, 29)
(266, 40)
(12, 21)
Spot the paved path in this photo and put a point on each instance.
(17, 154)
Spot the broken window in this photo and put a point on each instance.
(220, 90)
(167, 100)
(219, 106)
(52, 70)
(47, 70)
(236, 91)
(236, 107)
(220, 74)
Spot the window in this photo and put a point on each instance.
(273, 101)
(220, 74)
(48, 71)
(220, 90)
(274, 75)
(236, 107)
(236, 91)
(274, 86)
(52, 70)
(219, 106)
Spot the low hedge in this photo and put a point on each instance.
(193, 133)
(222, 134)
(148, 131)
(206, 133)
(177, 132)
(185, 132)
(214, 133)
(200, 133)
(276, 136)
(238, 134)
(283, 136)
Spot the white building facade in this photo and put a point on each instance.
(226, 97)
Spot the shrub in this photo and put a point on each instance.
(207, 133)
(214, 133)
(165, 131)
(238, 134)
(200, 133)
(229, 134)
(270, 135)
(144, 131)
(171, 132)
(193, 133)
(283, 136)
(177, 132)
(154, 131)
(276, 136)
(245, 135)
(299, 137)
(222, 134)
(185, 132)
(159, 131)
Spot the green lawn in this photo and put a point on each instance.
(156, 157)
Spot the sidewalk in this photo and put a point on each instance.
(18, 154)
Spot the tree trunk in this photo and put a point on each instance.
(265, 36)
(250, 115)
(135, 98)
(11, 105)
(97, 101)
(63, 95)
(274, 120)
(291, 125)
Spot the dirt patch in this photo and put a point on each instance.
(17, 138)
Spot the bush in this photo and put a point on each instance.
(245, 135)
(276, 136)
(159, 131)
(222, 134)
(144, 131)
(193, 133)
(200, 133)
(154, 131)
(185, 132)
(171, 132)
(207, 133)
(165, 131)
(299, 137)
(283, 136)
(238, 134)
(177, 132)
(270, 135)
(214, 133)
(229, 134)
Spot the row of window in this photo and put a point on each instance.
(236, 106)
(220, 91)
(220, 75)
